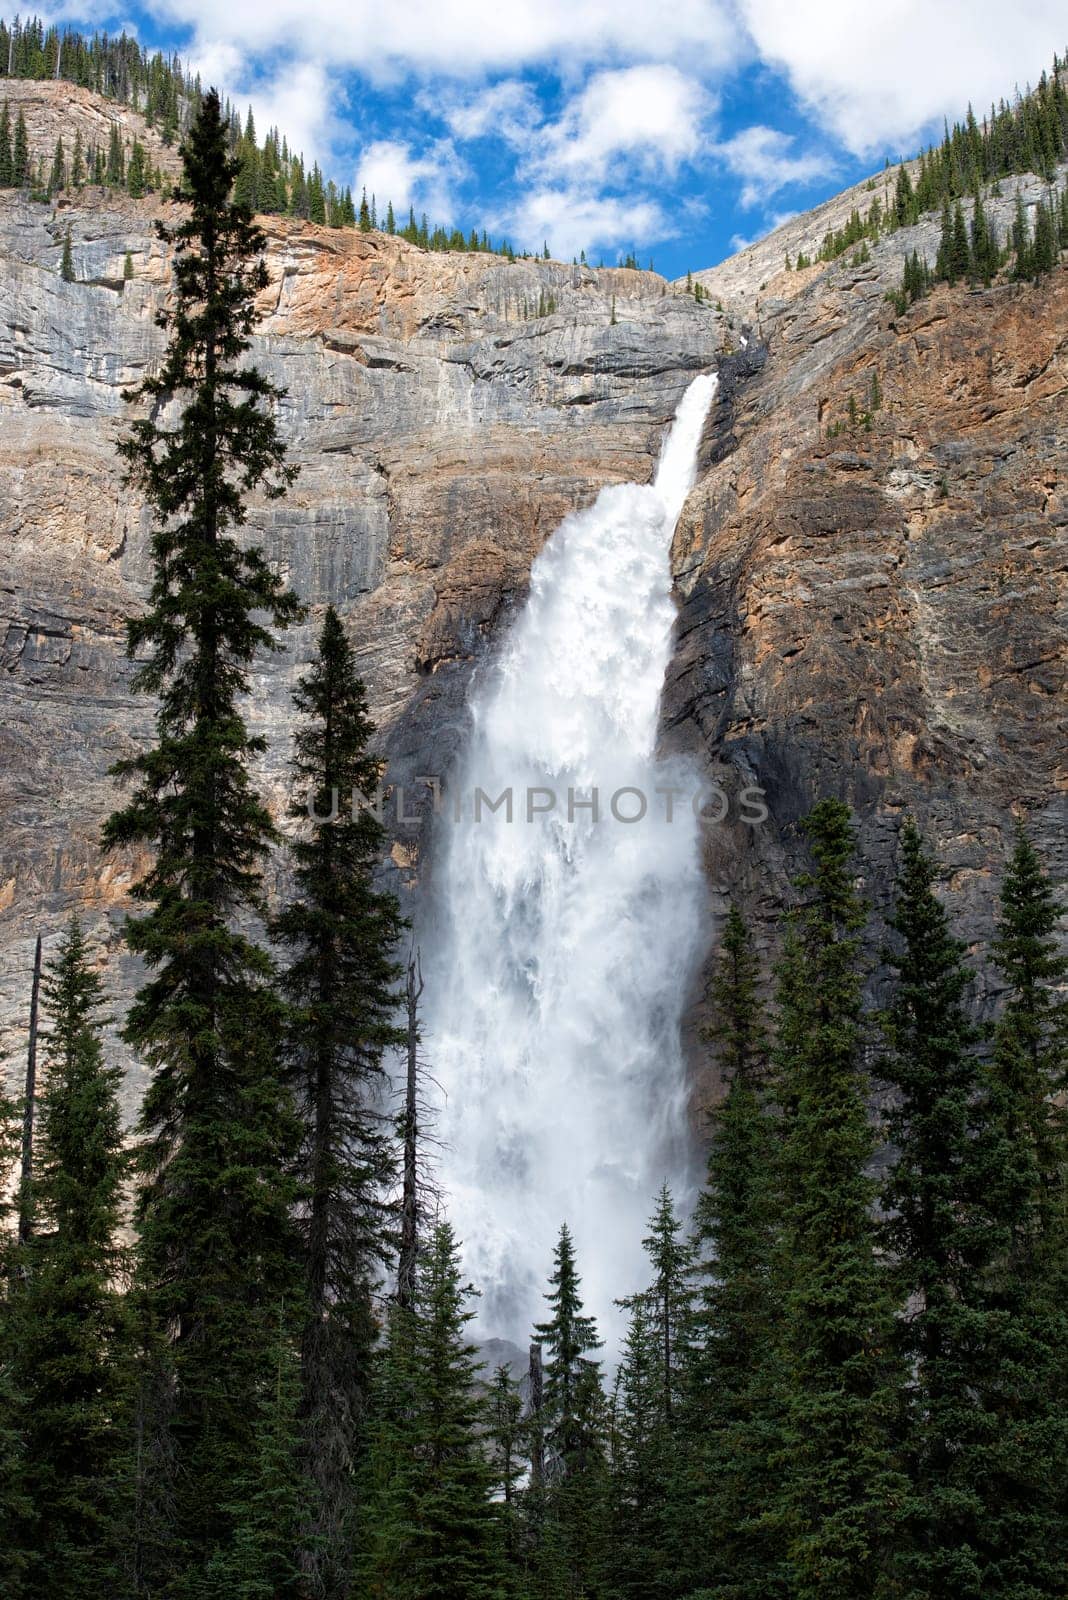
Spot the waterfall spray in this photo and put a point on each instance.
(569, 934)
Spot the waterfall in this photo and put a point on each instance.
(567, 938)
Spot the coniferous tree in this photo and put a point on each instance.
(70, 1365)
(77, 166)
(1021, 242)
(837, 1488)
(137, 171)
(57, 178)
(648, 1481)
(7, 159)
(316, 196)
(670, 1300)
(572, 1520)
(984, 245)
(21, 153)
(1045, 249)
(266, 1506)
(116, 168)
(1031, 1038)
(66, 265)
(1021, 1298)
(365, 214)
(506, 1434)
(429, 1527)
(904, 199)
(642, 1559)
(731, 1405)
(960, 259)
(216, 1247)
(938, 1235)
(341, 933)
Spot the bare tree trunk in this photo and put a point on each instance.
(59, 53)
(26, 1172)
(537, 1436)
(409, 1245)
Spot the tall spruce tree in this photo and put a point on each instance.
(506, 1435)
(732, 1396)
(429, 1529)
(1021, 1475)
(70, 1366)
(21, 152)
(572, 1519)
(641, 1561)
(837, 1490)
(670, 1298)
(262, 1561)
(648, 1482)
(341, 933)
(57, 178)
(216, 1247)
(938, 1235)
(7, 159)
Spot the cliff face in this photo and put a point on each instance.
(875, 611)
(442, 429)
(876, 608)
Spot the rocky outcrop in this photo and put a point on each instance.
(442, 430)
(871, 596)
(874, 571)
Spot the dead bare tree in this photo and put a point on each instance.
(29, 1105)
(535, 1424)
(409, 1239)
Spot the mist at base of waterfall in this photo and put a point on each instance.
(565, 941)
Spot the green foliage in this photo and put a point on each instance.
(137, 178)
(1020, 1475)
(429, 1527)
(214, 1210)
(127, 267)
(66, 265)
(7, 160)
(21, 153)
(506, 1437)
(936, 1233)
(732, 1399)
(572, 1518)
(57, 178)
(837, 1491)
(266, 1508)
(340, 933)
(915, 282)
(69, 1363)
(985, 254)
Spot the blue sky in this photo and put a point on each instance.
(677, 130)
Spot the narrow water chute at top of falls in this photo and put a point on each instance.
(570, 914)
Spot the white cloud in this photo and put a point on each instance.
(572, 221)
(390, 170)
(466, 38)
(506, 110)
(652, 115)
(302, 102)
(763, 158)
(879, 73)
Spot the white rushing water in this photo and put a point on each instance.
(567, 943)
